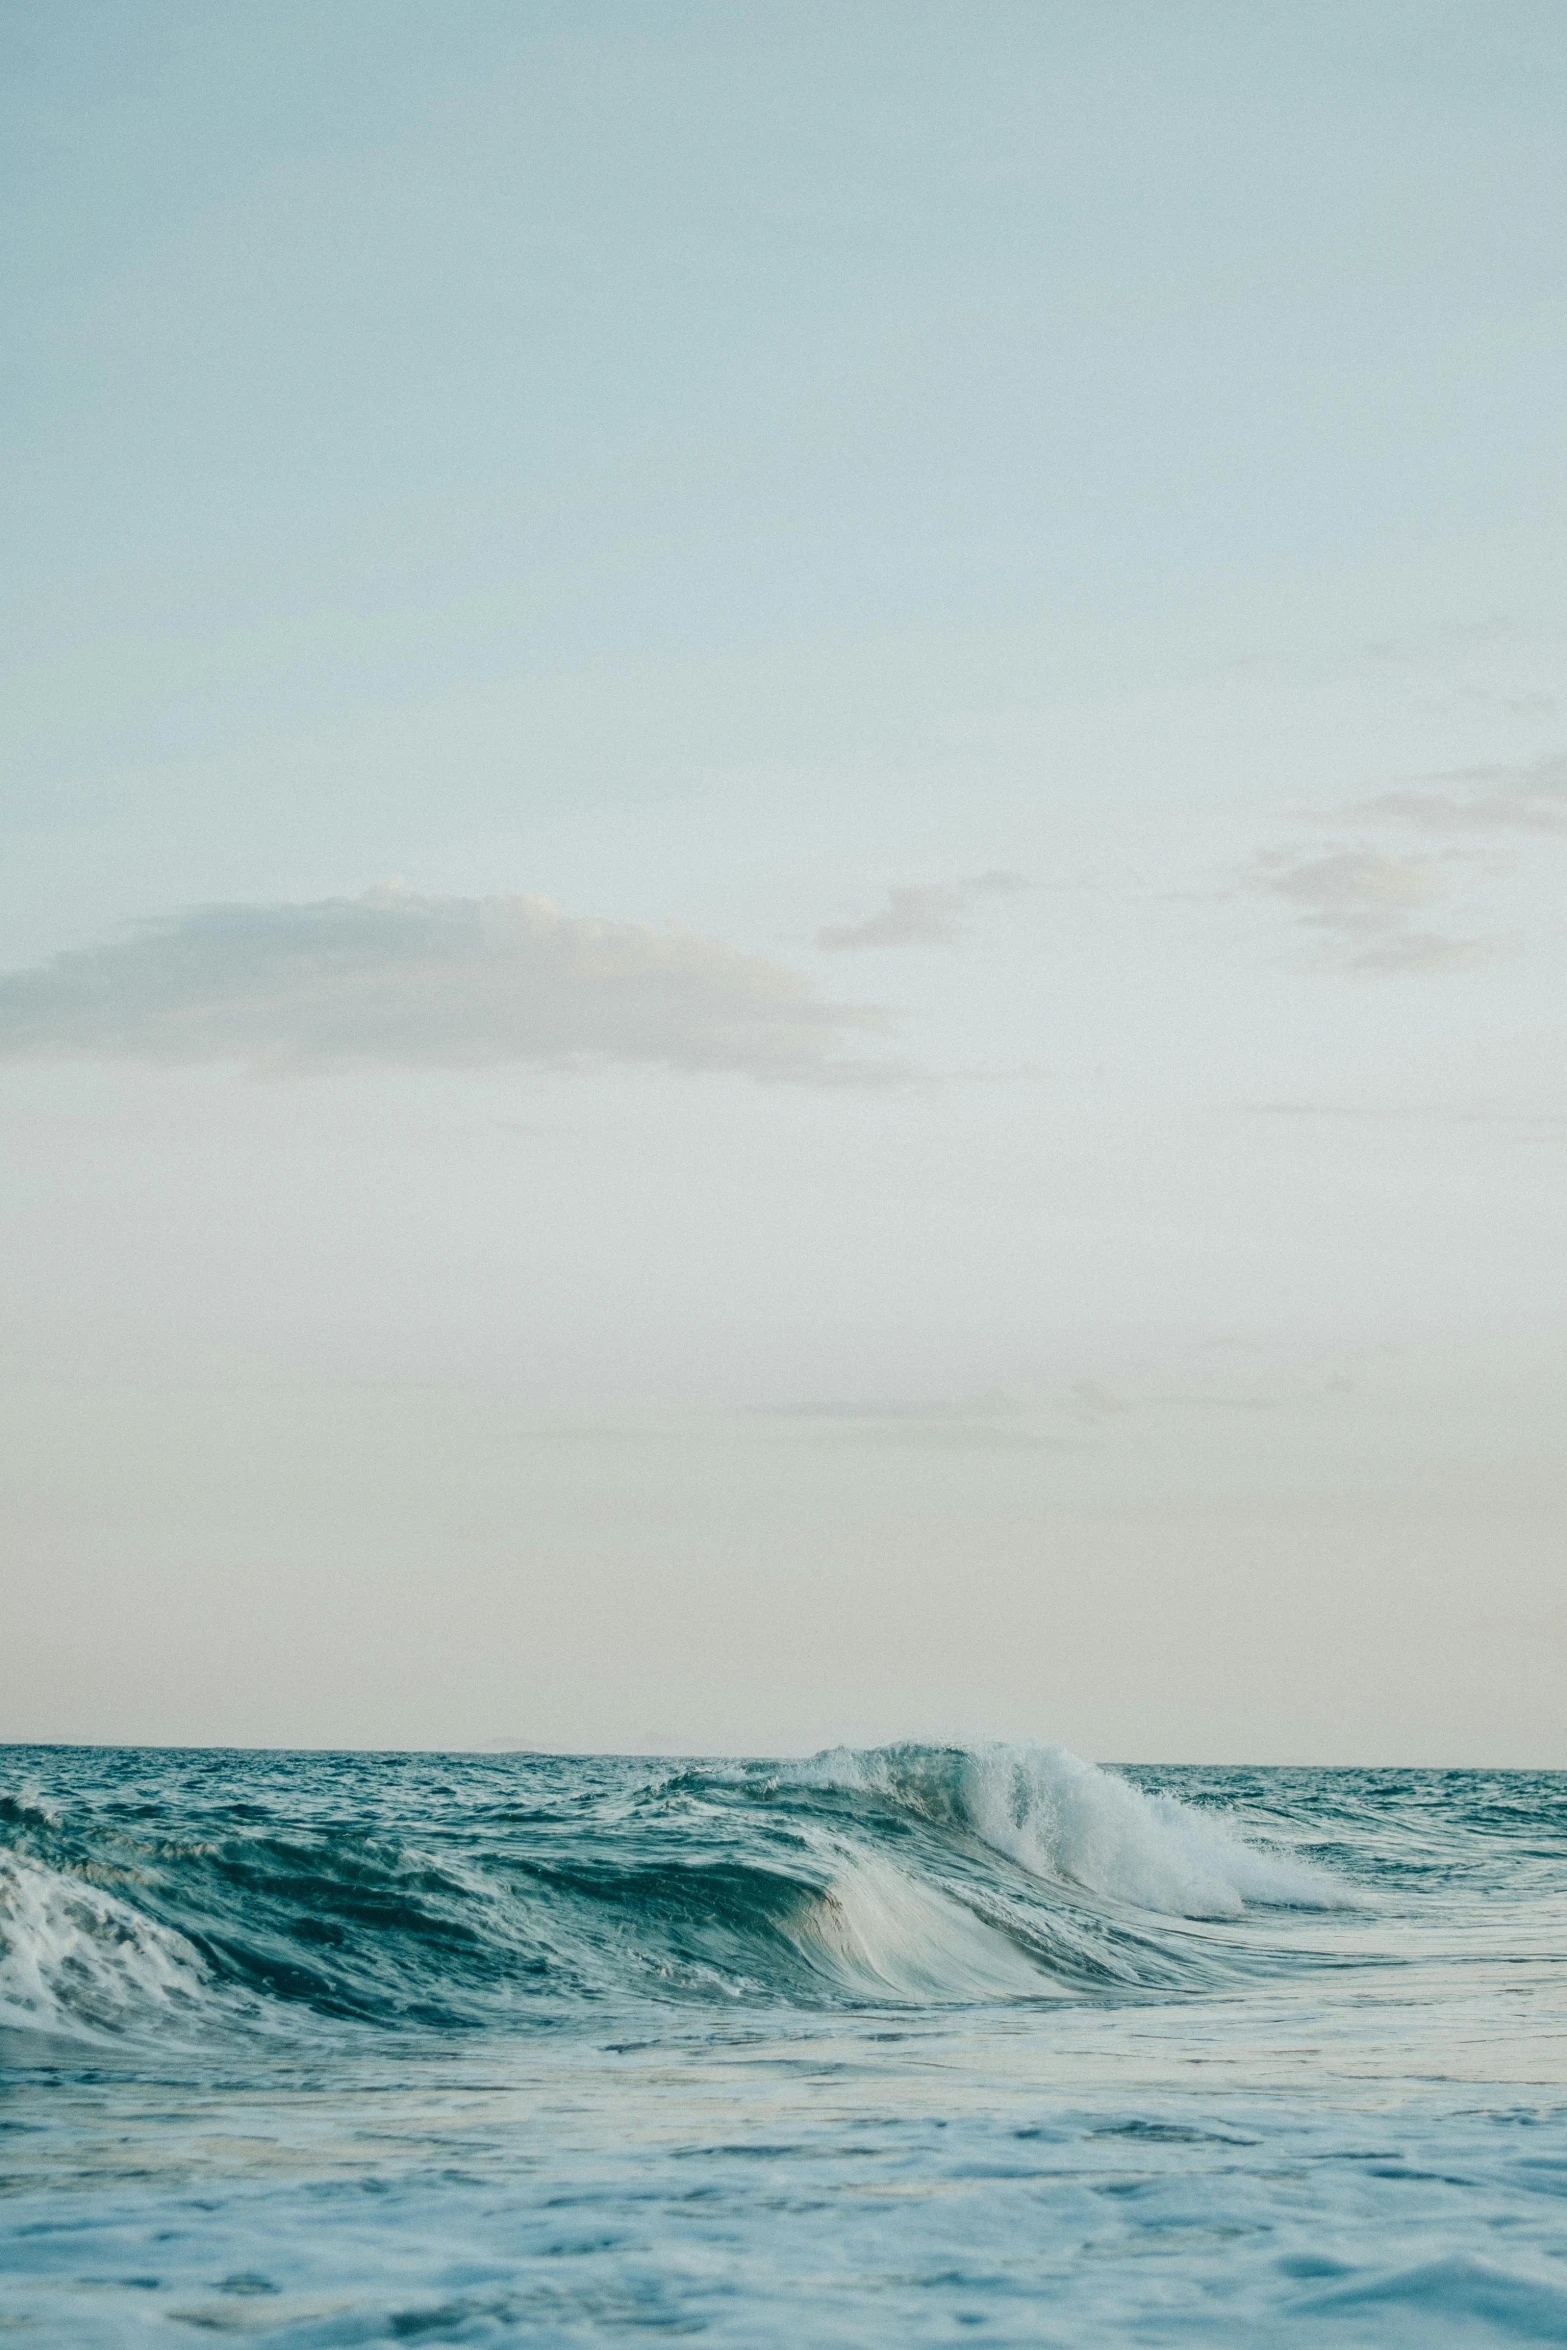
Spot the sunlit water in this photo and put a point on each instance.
(892, 2048)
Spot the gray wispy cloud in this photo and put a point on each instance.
(436, 982)
(1535, 1124)
(1364, 905)
(1369, 904)
(1470, 800)
(1086, 1412)
(922, 914)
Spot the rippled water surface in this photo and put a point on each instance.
(892, 2048)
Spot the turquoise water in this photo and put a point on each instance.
(905, 2047)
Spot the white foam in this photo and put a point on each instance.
(1061, 1816)
(883, 1935)
(1067, 1819)
(75, 1959)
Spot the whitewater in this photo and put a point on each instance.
(897, 2047)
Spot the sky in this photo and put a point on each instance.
(782, 848)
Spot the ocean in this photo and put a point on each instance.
(921, 2045)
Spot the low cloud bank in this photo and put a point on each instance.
(434, 983)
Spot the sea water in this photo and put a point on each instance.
(915, 2046)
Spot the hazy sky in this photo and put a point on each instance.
(781, 875)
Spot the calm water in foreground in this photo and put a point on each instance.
(895, 2048)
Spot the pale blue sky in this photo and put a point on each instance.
(364, 357)
(716, 467)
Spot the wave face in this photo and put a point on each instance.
(179, 1893)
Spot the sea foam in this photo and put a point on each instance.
(75, 1959)
(1065, 1819)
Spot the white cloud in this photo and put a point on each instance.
(433, 982)
(924, 914)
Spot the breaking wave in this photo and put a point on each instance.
(526, 1890)
(1065, 1819)
(74, 1958)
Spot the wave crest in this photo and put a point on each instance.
(75, 1959)
(1066, 1820)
